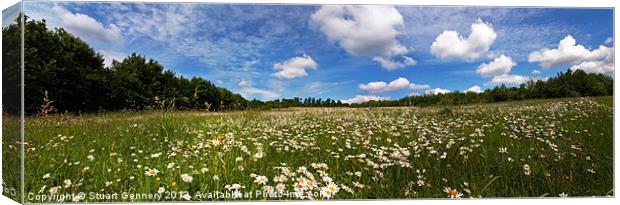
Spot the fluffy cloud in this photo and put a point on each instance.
(398, 84)
(87, 27)
(414, 86)
(500, 65)
(569, 52)
(109, 56)
(508, 79)
(247, 89)
(536, 72)
(436, 91)
(602, 66)
(609, 40)
(390, 64)
(364, 98)
(450, 44)
(294, 67)
(474, 89)
(365, 30)
(595, 67)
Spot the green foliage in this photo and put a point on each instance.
(76, 80)
(567, 144)
(569, 84)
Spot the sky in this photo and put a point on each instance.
(352, 53)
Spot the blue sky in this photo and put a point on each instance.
(351, 53)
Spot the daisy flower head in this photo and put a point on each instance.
(187, 178)
(526, 169)
(302, 169)
(151, 172)
(268, 189)
(503, 150)
(299, 187)
(452, 193)
(280, 188)
(329, 191)
(261, 180)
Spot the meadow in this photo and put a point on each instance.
(534, 148)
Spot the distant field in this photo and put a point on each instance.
(552, 148)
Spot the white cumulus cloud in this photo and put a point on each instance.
(247, 89)
(109, 56)
(450, 44)
(500, 65)
(294, 67)
(508, 79)
(536, 72)
(474, 89)
(364, 98)
(414, 86)
(602, 67)
(87, 27)
(365, 30)
(569, 52)
(436, 91)
(397, 84)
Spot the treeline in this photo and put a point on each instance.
(63, 73)
(565, 84)
(296, 102)
(571, 83)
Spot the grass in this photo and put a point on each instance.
(515, 149)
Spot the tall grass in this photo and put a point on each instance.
(377, 153)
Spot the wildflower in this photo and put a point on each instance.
(280, 178)
(54, 190)
(151, 172)
(298, 187)
(280, 187)
(268, 189)
(215, 177)
(67, 183)
(358, 174)
(161, 189)
(187, 178)
(233, 187)
(452, 193)
(503, 150)
(330, 190)
(204, 170)
(156, 155)
(46, 176)
(563, 195)
(526, 169)
(302, 170)
(90, 157)
(261, 180)
(327, 179)
(258, 155)
(358, 185)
